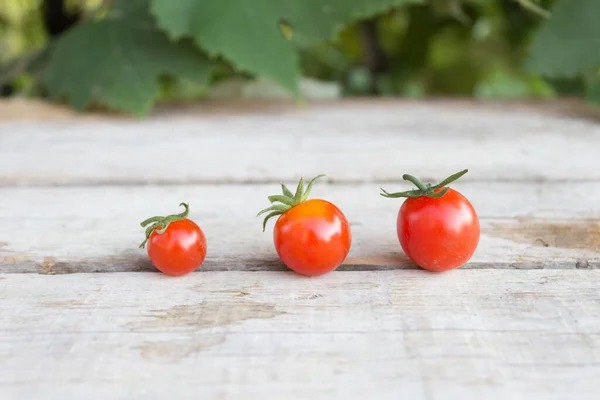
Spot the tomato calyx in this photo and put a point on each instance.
(424, 190)
(283, 203)
(162, 222)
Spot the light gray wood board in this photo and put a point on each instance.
(350, 142)
(96, 229)
(492, 334)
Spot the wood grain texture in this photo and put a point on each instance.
(349, 141)
(96, 229)
(275, 335)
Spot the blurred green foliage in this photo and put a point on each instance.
(127, 54)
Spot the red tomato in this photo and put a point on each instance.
(311, 237)
(178, 249)
(437, 233)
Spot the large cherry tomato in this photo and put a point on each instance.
(176, 245)
(311, 237)
(437, 226)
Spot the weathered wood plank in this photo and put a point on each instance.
(96, 229)
(387, 335)
(349, 141)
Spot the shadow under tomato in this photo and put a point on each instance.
(241, 264)
(380, 262)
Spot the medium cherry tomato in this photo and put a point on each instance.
(437, 226)
(311, 237)
(176, 244)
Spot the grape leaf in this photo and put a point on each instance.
(320, 20)
(118, 60)
(567, 45)
(177, 21)
(248, 33)
(245, 32)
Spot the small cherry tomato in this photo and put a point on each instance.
(176, 244)
(437, 226)
(311, 237)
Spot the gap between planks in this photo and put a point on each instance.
(174, 182)
(49, 266)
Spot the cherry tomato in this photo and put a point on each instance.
(176, 244)
(311, 237)
(437, 226)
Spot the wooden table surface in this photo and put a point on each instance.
(84, 315)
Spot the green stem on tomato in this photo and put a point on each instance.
(422, 189)
(162, 223)
(415, 181)
(288, 200)
(450, 179)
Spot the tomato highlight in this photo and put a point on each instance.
(176, 245)
(437, 226)
(311, 237)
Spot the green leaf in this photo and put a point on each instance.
(567, 45)
(245, 32)
(176, 19)
(592, 92)
(117, 61)
(249, 34)
(321, 20)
